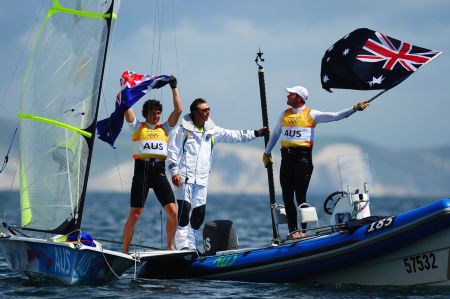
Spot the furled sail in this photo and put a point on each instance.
(58, 111)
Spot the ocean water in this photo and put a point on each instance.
(105, 214)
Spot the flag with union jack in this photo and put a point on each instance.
(133, 87)
(365, 59)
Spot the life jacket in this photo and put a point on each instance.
(150, 143)
(297, 129)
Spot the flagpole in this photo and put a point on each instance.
(371, 99)
(265, 119)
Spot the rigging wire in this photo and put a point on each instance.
(159, 60)
(5, 161)
(14, 177)
(114, 149)
(36, 17)
(156, 64)
(3, 98)
(155, 67)
(175, 41)
(155, 18)
(112, 41)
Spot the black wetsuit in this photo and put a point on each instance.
(150, 174)
(295, 174)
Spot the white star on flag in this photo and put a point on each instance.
(325, 79)
(376, 80)
(346, 51)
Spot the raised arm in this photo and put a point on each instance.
(130, 116)
(177, 106)
(324, 117)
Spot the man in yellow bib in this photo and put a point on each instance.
(150, 152)
(296, 126)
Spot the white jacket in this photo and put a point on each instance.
(189, 152)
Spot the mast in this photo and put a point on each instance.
(265, 119)
(92, 127)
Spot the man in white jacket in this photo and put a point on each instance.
(189, 159)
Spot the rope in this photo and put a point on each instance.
(137, 257)
(109, 266)
(135, 268)
(79, 244)
(133, 245)
(13, 229)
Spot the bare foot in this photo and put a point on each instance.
(295, 235)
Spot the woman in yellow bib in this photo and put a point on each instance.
(296, 127)
(150, 152)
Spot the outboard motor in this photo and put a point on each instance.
(219, 235)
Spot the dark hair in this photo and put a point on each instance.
(149, 105)
(195, 103)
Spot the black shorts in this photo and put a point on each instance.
(150, 174)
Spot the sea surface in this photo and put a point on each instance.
(105, 214)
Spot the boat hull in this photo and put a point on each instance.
(67, 262)
(426, 262)
(397, 245)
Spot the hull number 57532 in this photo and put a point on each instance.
(421, 262)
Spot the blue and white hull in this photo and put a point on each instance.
(411, 248)
(425, 262)
(70, 263)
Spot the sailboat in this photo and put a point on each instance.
(60, 96)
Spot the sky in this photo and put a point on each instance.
(210, 46)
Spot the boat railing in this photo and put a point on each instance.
(307, 214)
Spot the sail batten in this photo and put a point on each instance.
(55, 123)
(58, 112)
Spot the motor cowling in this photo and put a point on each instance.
(219, 235)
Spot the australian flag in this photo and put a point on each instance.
(365, 59)
(133, 87)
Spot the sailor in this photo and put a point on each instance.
(150, 140)
(189, 161)
(296, 126)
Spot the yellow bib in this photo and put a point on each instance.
(297, 129)
(148, 143)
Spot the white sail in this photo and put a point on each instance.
(58, 110)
